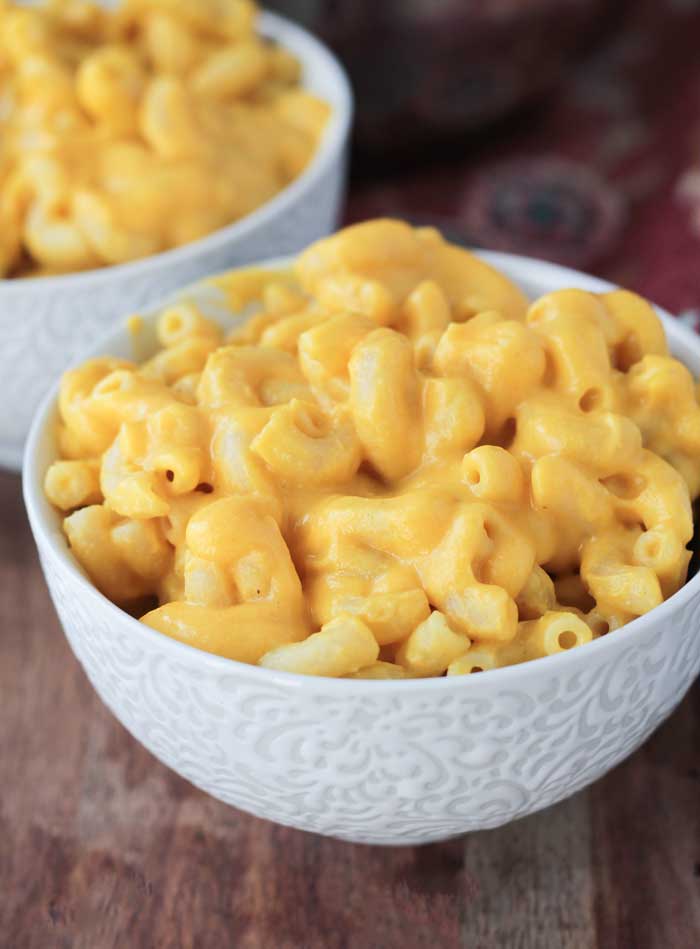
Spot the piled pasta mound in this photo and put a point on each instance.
(397, 450)
(127, 133)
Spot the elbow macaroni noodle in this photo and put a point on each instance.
(395, 467)
(106, 115)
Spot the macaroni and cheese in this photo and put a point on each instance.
(126, 133)
(396, 466)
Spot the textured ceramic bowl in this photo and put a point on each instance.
(400, 762)
(46, 322)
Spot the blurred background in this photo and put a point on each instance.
(563, 129)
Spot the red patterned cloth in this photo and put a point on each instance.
(604, 176)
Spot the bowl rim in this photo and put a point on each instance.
(51, 540)
(309, 49)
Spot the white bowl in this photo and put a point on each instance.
(46, 322)
(402, 762)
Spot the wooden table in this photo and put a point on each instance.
(101, 846)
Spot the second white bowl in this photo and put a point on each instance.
(46, 322)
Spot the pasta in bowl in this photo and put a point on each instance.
(137, 214)
(394, 456)
(107, 113)
(388, 564)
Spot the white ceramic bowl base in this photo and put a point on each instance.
(47, 322)
(401, 762)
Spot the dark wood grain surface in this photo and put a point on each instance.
(101, 846)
